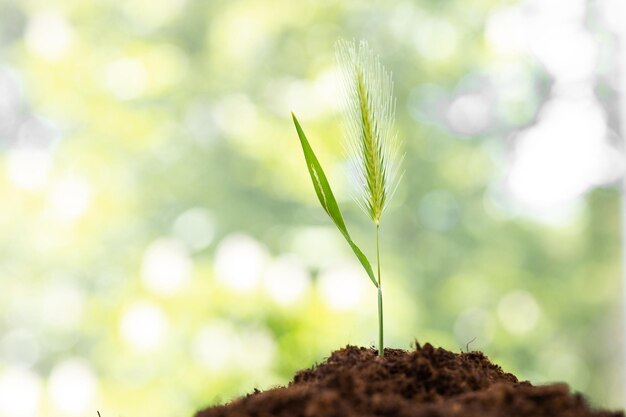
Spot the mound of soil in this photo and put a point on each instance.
(426, 382)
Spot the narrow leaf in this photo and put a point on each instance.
(327, 199)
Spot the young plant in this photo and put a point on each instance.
(372, 146)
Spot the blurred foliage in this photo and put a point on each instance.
(142, 110)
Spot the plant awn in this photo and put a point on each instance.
(372, 147)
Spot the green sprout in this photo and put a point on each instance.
(372, 147)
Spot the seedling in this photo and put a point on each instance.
(372, 146)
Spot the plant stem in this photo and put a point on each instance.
(381, 348)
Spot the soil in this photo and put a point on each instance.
(425, 382)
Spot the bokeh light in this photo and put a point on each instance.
(166, 266)
(20, 392)
(286, 280)
(28, 168)
(73, 387)
(239, 261)
(48, 35)
(70, 197)
(342, 287)
(143, 326)
(195, 227)
(518, 312)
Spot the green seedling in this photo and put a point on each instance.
(372, 146)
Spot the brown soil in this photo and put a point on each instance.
(426, 382)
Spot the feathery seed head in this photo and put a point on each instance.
(368, 125)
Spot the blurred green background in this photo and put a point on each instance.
(161, 246)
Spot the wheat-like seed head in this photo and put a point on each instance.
(368, 124)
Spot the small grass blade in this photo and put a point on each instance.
(327, 199)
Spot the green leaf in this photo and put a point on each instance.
(327, 199)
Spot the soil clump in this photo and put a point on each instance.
(425, 382)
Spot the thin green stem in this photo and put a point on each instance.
(381, 347)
